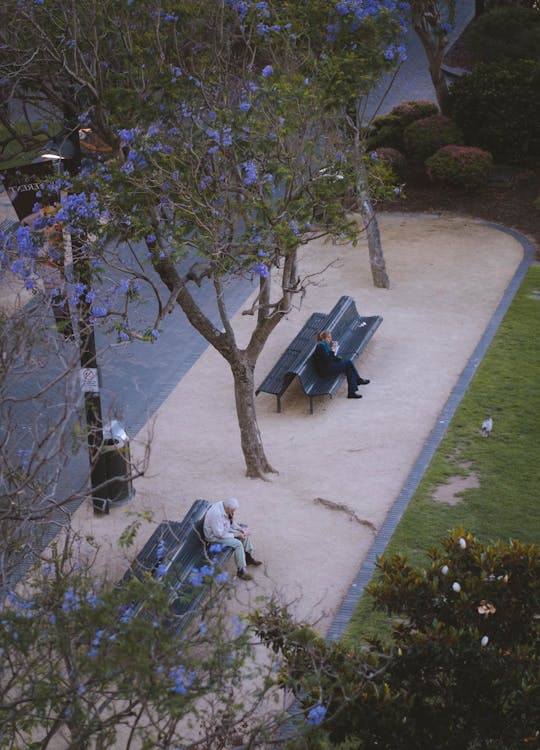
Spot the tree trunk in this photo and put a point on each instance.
(257, 465)
(427, 20)
(242, 363)
(376, 257)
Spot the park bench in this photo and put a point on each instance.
(348, 327)
(174, 551)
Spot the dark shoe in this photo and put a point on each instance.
(362, 381)
(354, 395)
(244, 576)
(251, 560)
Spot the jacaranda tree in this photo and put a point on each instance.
(225, 130)
(90, 664)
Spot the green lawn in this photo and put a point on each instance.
(507, 464)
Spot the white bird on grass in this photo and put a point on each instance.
(487, 426)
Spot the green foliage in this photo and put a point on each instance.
(382, 178)
(462, 667)
(505, 33)
(425, 136)
(464, 167)
(498, 108)
(408, 112)
(393, 159)
(387, 130)
(492, 4)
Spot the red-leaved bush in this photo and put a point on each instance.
(465, 167)
(423, 137)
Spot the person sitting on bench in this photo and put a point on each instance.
(328, 363)
(219, 527)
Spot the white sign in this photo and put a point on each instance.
(89, 380)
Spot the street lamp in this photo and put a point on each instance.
(109, 452)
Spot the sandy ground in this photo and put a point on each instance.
(447, 276)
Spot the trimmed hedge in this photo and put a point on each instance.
(461, 166)
(387, 130)
(498, 108)
(408, 112)
(505, 32)
(423, 137)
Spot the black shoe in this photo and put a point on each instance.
(362, 381)
(244, 575)
(251, 560)
(354, 395)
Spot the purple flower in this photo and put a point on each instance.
(267, 71)
(251, 173)
(294, 226)
(316, 716)
(261, 269)
(126, 137)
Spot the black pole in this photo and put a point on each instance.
(90, 376)
(91, 384)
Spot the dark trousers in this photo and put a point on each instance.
(347, 367)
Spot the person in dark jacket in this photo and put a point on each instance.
(328, 363)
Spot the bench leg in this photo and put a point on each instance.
(278, 404)
(311, 404)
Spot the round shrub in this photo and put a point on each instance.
(392, 158)
(387, 130)
(408, 112)
(498, 108)
(423, 137)
(505, 32)
(462, 166)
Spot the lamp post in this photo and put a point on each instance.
(64, 149)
